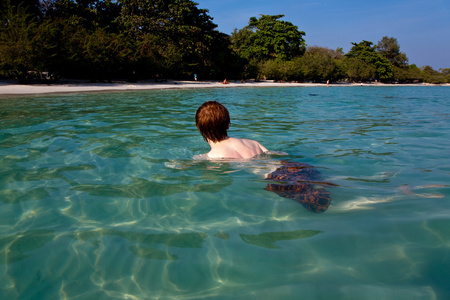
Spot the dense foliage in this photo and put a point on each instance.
(268, 38)
(104, 39)
(142, 39)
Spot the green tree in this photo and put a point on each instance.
(389, 48)
(321, 64)
(32, 8)
(269, 38)
(90, 14)
(359, 70)
(272, 69)
(432, 76)
(280, 70)
(185, 35)
(103, 54)
(240, 40)
(69, 33)
(61, 47)
(365, 52)
(17, 42)
(408, 74)
(446, 74)
(414, 73)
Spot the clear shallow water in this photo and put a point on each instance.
(100, 197)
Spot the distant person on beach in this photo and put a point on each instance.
(225, 81)
(213, 121)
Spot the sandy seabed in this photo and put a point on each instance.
(9, 89)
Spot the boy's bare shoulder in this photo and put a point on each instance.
(244, 141)
(254, 144)
(244, 148)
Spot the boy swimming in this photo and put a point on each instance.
(213, 121)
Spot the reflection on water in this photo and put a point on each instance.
(18, 247)
(268, 239)
(100, 197)
(140, 242)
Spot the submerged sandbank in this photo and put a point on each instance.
(8, 89)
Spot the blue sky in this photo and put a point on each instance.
(422, 27)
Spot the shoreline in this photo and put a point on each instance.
(11, 89)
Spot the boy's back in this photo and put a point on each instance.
(236, 148)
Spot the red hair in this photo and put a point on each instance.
(212, 120)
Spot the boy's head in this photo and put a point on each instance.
(212, 120)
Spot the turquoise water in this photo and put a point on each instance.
(100, 197)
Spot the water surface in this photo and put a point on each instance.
(100, 197)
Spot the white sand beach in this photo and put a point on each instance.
(10, 89)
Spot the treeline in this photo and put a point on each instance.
(105, 39)
(276, 49)
(102, 40)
